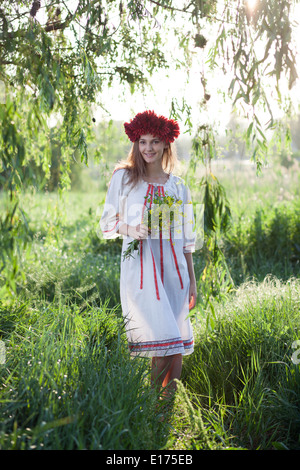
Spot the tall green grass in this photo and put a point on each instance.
(241, 374)
(266, 241)
(68, 381)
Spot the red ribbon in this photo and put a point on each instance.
(160, 192)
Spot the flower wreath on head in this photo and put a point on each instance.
(149, 123)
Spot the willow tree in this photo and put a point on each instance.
(59, 57)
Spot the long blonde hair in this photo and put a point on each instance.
(136, 165)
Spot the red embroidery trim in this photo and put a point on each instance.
(153, 261)
(186, 344)
(141, 256)
(186, 246)
(143, 346)
(161, 344)
(175, 259)
(111, 229)
(160, 192)
(174, 254)
(141, 242)
(155, 278)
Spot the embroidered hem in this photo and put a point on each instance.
(162, 348)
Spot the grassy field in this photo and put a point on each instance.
(67, 381)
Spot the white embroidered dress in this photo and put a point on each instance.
(154, 284)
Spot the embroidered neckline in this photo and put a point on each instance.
(156, 183)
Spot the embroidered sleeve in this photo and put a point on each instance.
(111, 219)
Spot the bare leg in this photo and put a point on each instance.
(165, 370)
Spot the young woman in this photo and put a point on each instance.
(157, 283)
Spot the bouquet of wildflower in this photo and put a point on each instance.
(164, 210)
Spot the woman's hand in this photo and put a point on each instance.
(192, 295)
(193, 285)
(140, 232)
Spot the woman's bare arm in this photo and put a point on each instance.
(193, 285)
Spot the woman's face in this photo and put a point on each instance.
(151, 148)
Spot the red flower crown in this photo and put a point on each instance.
(149, 123)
